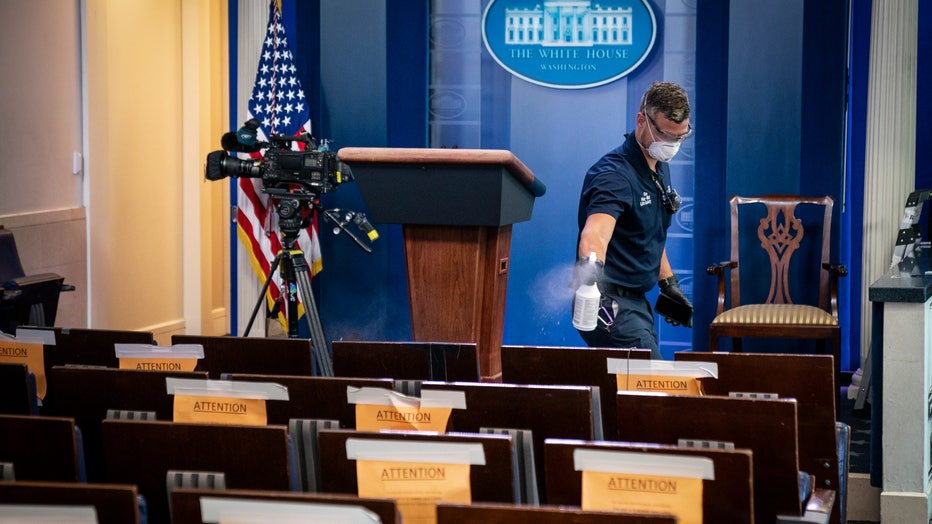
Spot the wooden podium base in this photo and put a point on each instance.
(457, 281)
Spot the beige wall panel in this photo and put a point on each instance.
(134, 123)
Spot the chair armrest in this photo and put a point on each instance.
(719, 270)
(839, 270)
(835, 271)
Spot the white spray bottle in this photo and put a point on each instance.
(586, 304)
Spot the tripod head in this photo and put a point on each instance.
(291, 220)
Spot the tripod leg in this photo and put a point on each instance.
(318, 339)
(265, 288)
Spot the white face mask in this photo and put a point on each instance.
(661, 151)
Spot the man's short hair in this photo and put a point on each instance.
(667, 98)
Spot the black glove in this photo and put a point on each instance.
(673, 304)
(587, 272)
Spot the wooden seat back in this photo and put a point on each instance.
(89, 347)
(17, 394)
(142, 453)
(569, 412)
(40, 448)
(186, 506)
(264, 356)
(766, 427)
(729, 498)
(314, 397)
(85, 394)
(492, 482)
(569, 366)
(807, 378)
(114, 503)
(444, 361)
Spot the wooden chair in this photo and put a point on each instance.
(570, 366)
(85, 394)
(767, 427)
(313, 397)
(17, 390)
(89, 347)
(265, 356)
(41, 448)
(445, 361)
(186, 502)
(785, 228)
(114, 503)
(492, 482)
(571, 412)
(806, 378)
(729, 498)
(142, 453)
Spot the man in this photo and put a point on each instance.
(625, 208)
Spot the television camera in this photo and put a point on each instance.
(313, 170)
(294, 181)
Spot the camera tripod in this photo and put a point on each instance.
(293, 266)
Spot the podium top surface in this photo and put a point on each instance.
(435, 156)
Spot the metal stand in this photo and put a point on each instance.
(293, 266)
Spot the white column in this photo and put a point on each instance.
(890, 144)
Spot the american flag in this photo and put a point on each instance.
(278, 103)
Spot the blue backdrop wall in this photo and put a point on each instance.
(768, 81)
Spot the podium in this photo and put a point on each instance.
(456, 207)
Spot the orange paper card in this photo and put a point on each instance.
(219, 410)
(376, 418)
(417, 487)
(660, 384)
(677, 496)
(159, 364)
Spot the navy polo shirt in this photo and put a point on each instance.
(620, 184)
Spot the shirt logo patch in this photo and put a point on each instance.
(645, 199)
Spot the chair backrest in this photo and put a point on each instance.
(767, 427)
(85, 394)
(807, 378)
(784, 225)
(186, 502)
(41, 448)
(142, 453)
(114, 503)
(313, 397)
(446, 361)
(729, 498)
(579, 366)
(571, 412)
(89, 346)
(266, 356)
(492, 482)
(17, 391)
